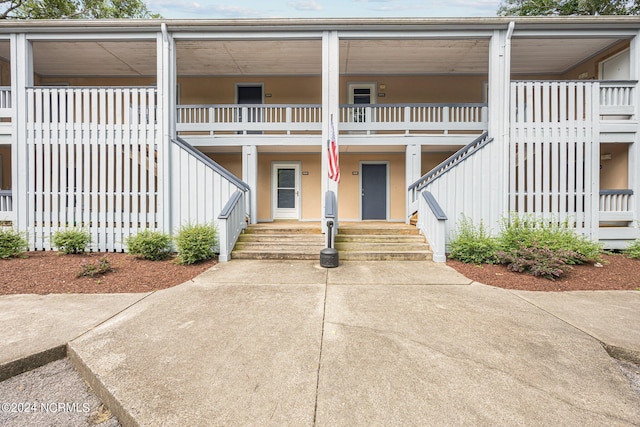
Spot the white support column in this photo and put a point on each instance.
(166, 85)
(250, 176)
(413, 170)
(634, 149)
(21, 78)
(498, 106)
(330, 105)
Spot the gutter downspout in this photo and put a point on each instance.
(507, 113)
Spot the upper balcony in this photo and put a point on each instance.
(218, 122)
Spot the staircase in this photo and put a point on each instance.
(280, 240)
(366, 241)
(381, 241)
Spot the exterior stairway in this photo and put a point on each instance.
(280, 240)
(381, 241)
(365, 241)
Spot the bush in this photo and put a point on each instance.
(71, 241)
(633, 251)
(519, 232)
(91, 270)
(539, 261)
(152, 245)
(196, 243)
(472, 244)
(12, 243)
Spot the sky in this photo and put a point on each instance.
(219, 9)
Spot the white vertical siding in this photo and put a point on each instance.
(93, 163)
(553, 151)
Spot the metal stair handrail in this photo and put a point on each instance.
(454, 160)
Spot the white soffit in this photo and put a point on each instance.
(414, 56)
(552, 56)
(249, 57)
(99, 58)
(304, 57)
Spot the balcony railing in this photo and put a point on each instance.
(369, 118)
(617, 98)
(616, 205)
(6, 205)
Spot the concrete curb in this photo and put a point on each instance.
(32, 361)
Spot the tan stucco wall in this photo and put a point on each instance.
(5, 153)
(420, 89)
(614, 174)
(231, 162)
(307, 90)
(222, 90)
(349, 190)
(310, 196)
(96, 81)
(431, 160)
(5, 73)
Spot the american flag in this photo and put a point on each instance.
(334, 166)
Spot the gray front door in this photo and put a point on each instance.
(374, 191)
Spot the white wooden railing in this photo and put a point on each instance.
(203, 192)
(6, 205)
(406, 118)
(457, 157)
(617, 98)
(287, 119)
(249, 118)
(5, 110)
(453, 187)
(231, 222)
(616, 205)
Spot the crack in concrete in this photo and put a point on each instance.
(324, 314)
(479, 364)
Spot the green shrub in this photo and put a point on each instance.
(91, 270)
(71, 241)
(525, 231)
(152, 245)
(539, 261)
(633, 251)
(12, 243)
(473, 245)
(196, 243)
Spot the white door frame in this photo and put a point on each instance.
(296, 212)
(249, 84)
(388, 184)
(616, 57)
(373, 86)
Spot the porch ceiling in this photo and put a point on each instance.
(304, 57)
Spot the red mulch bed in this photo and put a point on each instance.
(50, 272)
(617, 273)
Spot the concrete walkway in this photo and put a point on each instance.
(290, 343)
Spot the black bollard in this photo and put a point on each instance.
(329, 256)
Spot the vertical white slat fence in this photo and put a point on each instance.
(205, 193)
(92, 163)
(452, 189)
(554, 152)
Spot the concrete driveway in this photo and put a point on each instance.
(290, 343)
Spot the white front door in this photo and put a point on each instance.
(285, 198)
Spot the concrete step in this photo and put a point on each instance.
(283, 254)
(381, 238)
(380, 247)
(284, 229)
(385, 256)
(260, 237)
(390, 229)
